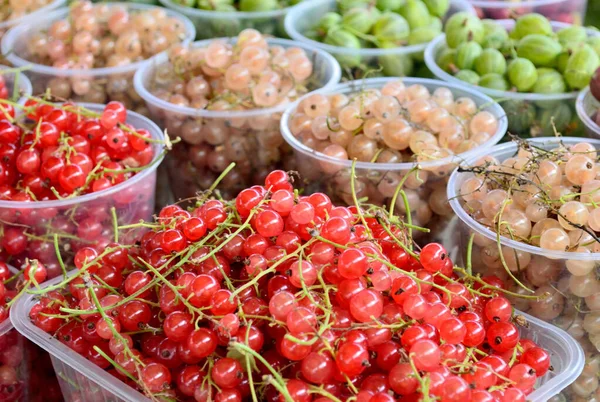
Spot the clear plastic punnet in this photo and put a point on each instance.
(569, 11)
(425, 190)
(529, 114)
(40, 12)
(217, 24)
(250, 138)
(82, 380)
(587, 106)
(560, 274)
(402, 61)
(95, 85)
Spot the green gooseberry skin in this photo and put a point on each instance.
(532, 23)
(572, 35)
(446, 59)
(395, 65)
(561, 115)
(415, 12)
(421, 35)
(359, 20)
(343, 38)
(562, 60)
(521, 115)
(491, 61)
(466, 54)
(522, 74)
(594, 42)
(549, 81)
(329, 20)
(345, 5)
(389, 5)
(187, 3)
(391, 27)
(213, 5)
(463, 27)
(468, 76)
(494, 81)
(495, 35)
(541, 50)
(581, 66)
(258, 5)
(437, 8)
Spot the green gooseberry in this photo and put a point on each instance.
(549, 81)
(187, 3)
(437, 8)
(562, 60)
(532, 23)
(446, 60)
(345, 5)
(466, 54)
(520, 115)
(509, 47)
(522, 74)
(423, 71)
(561, 115)
(415, 12)
(464, 27)
(594, 42)
(389, 5)
(395, 65)
(359, 20)
(213, 5)
(541, 50)
(571, 35)
(494, 35)
(342, 38)
(258, 5)
(436, 25)
(421, 35)
(494, 81)
(490, 61)
(391, 27)
(581, 66)
(468, 76)
(328, 21)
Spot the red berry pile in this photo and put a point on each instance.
(60, 152)
(281, 297)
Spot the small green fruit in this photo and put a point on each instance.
(466, 54)
(446, 60)
(464, 27)
(522, 74)
(416, 14)
(328, 21)
(549, 81)
(258, 5)
(560, 115)
(437, 8)
(594, 42)
(495, 35)
(532, 23)
(581, 66)
(494, 81)
(541, 50)
(345, 5)
(491, 61)
(397, 65)
(571, 36)
(520, 115)
(359, 20)
(391, 27)
(468, 76)
(389, 5)
(343, 38)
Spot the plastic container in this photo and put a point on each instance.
(8, 24)
(11, 78)
(586, 106)
(218, 24)
(541, 269)
(378, 181)
(568, 11)
(80, 378)
(133, 200)
(193, 166)
(105, 84)
(529, 114)
(402, 61)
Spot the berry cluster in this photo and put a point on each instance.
(62, 152)
(17, 9)
(281, 297)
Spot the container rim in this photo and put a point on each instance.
(440, 42)
(24, 83)
(161, 58)
(369, 83)
(506, 3)
(34, 14)
(453, 196)
(197, 12)
(156, 134)
(19, 33)
(582, 114)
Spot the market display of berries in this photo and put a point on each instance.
(544, 196)
(12, 10)
(90, 36)
(58, 170)
(281, 297)
(216, 92)
(569, 12)
(238, 5)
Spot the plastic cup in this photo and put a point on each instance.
(404, 61)
(217, 24)
(568, 11)
(573, 304)
(96, 85)
(8, 24)
(529, 114)
(255, 145)
(587, 106)
(425, 189)
(84, 220)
